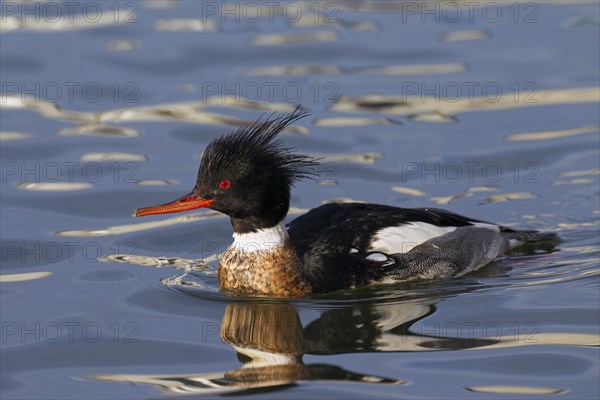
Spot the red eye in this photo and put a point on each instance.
(224, 184)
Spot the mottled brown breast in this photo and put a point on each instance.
(275, 272)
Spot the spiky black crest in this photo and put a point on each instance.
(254, 148)
(260, 172)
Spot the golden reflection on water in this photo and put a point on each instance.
(409, 7)
(328, 182)
(112, 156)
(547, 135)
(415, 69)
(9, 135)
(159, 262)
(160, 4)
(353, 121)
(28, 276)
(593, 171)
(123, 45)
(433, 117)
(327, 20)
(94, 123)
(274, 39)
(443, 200)
(579, 181)
(572, 276)
(410, 69)
(578, 225)
(576, 177)
(185, 25)
(468, 193)
(414, 107)
(235, 101)
(581, 22)
(54, 186)
(9, 23)
(514, 389)
(188, 112)
(466, 34)
(155, 182)
(285, 70)
(408, 190)
(100, 130)
(364, 158)
(497, 198)
(47, 109)
(411, 104)
(143, 226)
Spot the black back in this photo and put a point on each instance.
(324, 236)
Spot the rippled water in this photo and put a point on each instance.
(489, 110)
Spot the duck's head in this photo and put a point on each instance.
(247, 175)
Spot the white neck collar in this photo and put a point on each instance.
(263, 239)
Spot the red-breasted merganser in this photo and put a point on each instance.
(248, 176)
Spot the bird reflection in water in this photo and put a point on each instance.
(270, 342)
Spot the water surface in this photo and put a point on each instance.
(489, 111)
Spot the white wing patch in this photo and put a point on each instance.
(401, 239)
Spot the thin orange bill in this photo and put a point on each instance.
(185, 203)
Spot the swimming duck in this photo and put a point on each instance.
(248, 175)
